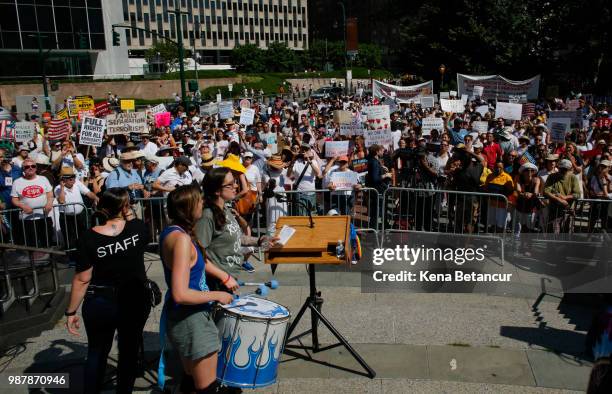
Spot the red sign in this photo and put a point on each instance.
(102, 109)
(528, 109)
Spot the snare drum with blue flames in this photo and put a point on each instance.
(252, 332)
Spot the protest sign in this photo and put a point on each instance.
(62, 114)
(344, 180)
(566, 122)
(102, 109)
(444, 95)
(574, 116)
(557, 132)
(162, 119)
(246, 116)
(359, 92)
(125, 123)
(24, 131)
(482, 110)
(453, 93)
(401, 94)
(379, 137)
(343, 117)
(498, 87)
(128, 105)
(302, 112)
(477, 91)
(245, 103)
(271, 140)
(378, 117)
(464, 99)
(92, 131)
(452, 106)
(480, 126)
(336, 148)
(573, 105)
(427, 102)
(430, 124)
(159, 108)
(359, 165)
(83, 114)
(226, 110)
(528, 109)
(219, 97)
(510, 111)
(209, 109)
(7, 130)
(603, 122)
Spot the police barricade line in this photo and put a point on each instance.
(153, 212)
(361, 204)
(445, 212)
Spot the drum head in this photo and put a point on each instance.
(254, 307)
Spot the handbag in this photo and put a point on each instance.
(246, 204)
(154, 293)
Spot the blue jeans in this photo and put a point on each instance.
(103, 315)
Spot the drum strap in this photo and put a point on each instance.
(161, 376)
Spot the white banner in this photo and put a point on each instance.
(427, 102)
(498, 87)
(246, 116)
(226, 110)
(125, 123)
(432, 123)
(378, 117)
(92, 131)
(482, 110)
(378, 137)
(24, 131)
(508, 110)
(477, 91)
(452, 106)
(344, 180)
(480, 126)
(336, 148)
(159, 108)
(401, 93)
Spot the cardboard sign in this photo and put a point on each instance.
(226, 110)
(128, 105)
(351, 129)
(528, 109)
(510, 111)
(83, 114)
(159, 108)
(480, 127)
(430, 124)
(379, 137)
(209, 109)
(378, 117)
(343, 117)
(92, 131)
(24, 131)
(162, 119)
(125, 123)
(574, 116)
(557, 132)
(336, 148)
(566, 122)
(477, 91)
(455, 106)
(427, 102)
(344, 180)
(453, 93)
(482, 110)
(444, 95)
(102, 109)
(247, 115)
(464, 99)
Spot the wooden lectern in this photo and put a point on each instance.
(313, 246)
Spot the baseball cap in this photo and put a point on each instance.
(182, 160)
(566, 164)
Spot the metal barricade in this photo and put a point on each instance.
(361, 204)
(445, 212)
(152, 211)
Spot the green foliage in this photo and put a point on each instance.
(248, 58)
(168, 53)
(279, 58)
(370, 55)
(321, 51)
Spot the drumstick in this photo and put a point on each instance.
(273, 284)
(262, 290)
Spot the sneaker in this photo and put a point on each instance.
(248, 267)
(354, 262)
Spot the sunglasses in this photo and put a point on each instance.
(29, 167)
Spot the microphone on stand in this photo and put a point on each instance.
(308, 207)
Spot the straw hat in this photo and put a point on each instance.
(110, 163)
(276, 162)
(42, 160)
(207, 161)
(233, 163)
(67, 172)
(131, 155)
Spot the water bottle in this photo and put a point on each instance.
(340, 249)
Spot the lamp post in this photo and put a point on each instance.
(43, 72)
(341, 4)
(442, 70)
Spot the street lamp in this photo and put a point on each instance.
(341, 4)
(41, 60)
(442, 70)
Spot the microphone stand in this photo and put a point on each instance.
(281, 198)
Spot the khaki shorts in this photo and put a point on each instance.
(193, 333)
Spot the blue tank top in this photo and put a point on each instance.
(197, 275)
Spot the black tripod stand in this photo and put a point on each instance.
(314, 302)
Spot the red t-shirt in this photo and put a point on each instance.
(492, 152)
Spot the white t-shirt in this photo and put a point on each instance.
(33, 193)
(171, 178)
(74, 199)
(308, 180)
(253, 176)
(150, 149)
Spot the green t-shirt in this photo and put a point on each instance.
(223, 246)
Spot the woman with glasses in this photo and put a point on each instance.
(110, 277)
(218, 230)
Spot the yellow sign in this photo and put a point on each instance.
(62, 114)
(84, 104)
(128, 105)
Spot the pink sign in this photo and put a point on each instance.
(162, 119)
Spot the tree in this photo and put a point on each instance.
(248, 58)
(279, 58)
(321, 52)
(168, 54)
(370, 55)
